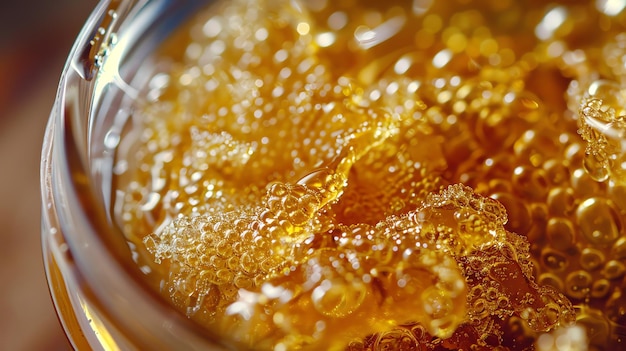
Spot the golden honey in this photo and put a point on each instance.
(411, 175)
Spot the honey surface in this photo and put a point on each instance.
(365, 175)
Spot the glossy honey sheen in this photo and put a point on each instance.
(420, 175)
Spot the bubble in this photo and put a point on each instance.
(356, 345)
(551, 279)
(595, 166)
(578, 284)
(608, 92)
(247, 262)
(598, 221)
(583, 184)
(556, 171)
(617, 193)
(600, 288)
(616, 312)
(591, 259)
(619, 249)
(561, 233)
(561, 201)
(554, 260)
(534, 146)
(436, 304)
(336, 299)
(532, 183)
(614, 269)
(398, 339)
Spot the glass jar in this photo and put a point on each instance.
(96, 281)
(96, 288)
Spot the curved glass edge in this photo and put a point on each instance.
(105, 297)
(58, 262)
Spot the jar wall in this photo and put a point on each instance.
(96, 289)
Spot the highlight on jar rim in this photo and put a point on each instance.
(341, 175)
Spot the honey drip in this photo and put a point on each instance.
(368, 176)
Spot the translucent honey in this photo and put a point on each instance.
(418, 175)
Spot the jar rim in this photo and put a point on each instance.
(75, 219)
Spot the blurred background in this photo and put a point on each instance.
(35, 38)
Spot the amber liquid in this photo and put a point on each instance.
(388, 175)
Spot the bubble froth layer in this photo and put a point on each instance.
(365, 177)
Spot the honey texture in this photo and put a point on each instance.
(397, 175)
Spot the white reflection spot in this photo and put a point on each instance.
(368, 38)
(325, 39)
(442, 58)
(611, 7)
(551, 22)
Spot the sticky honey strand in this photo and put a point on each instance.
(373, 133)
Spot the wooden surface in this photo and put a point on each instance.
(35, 38)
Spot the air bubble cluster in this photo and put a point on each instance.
(408, 175)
